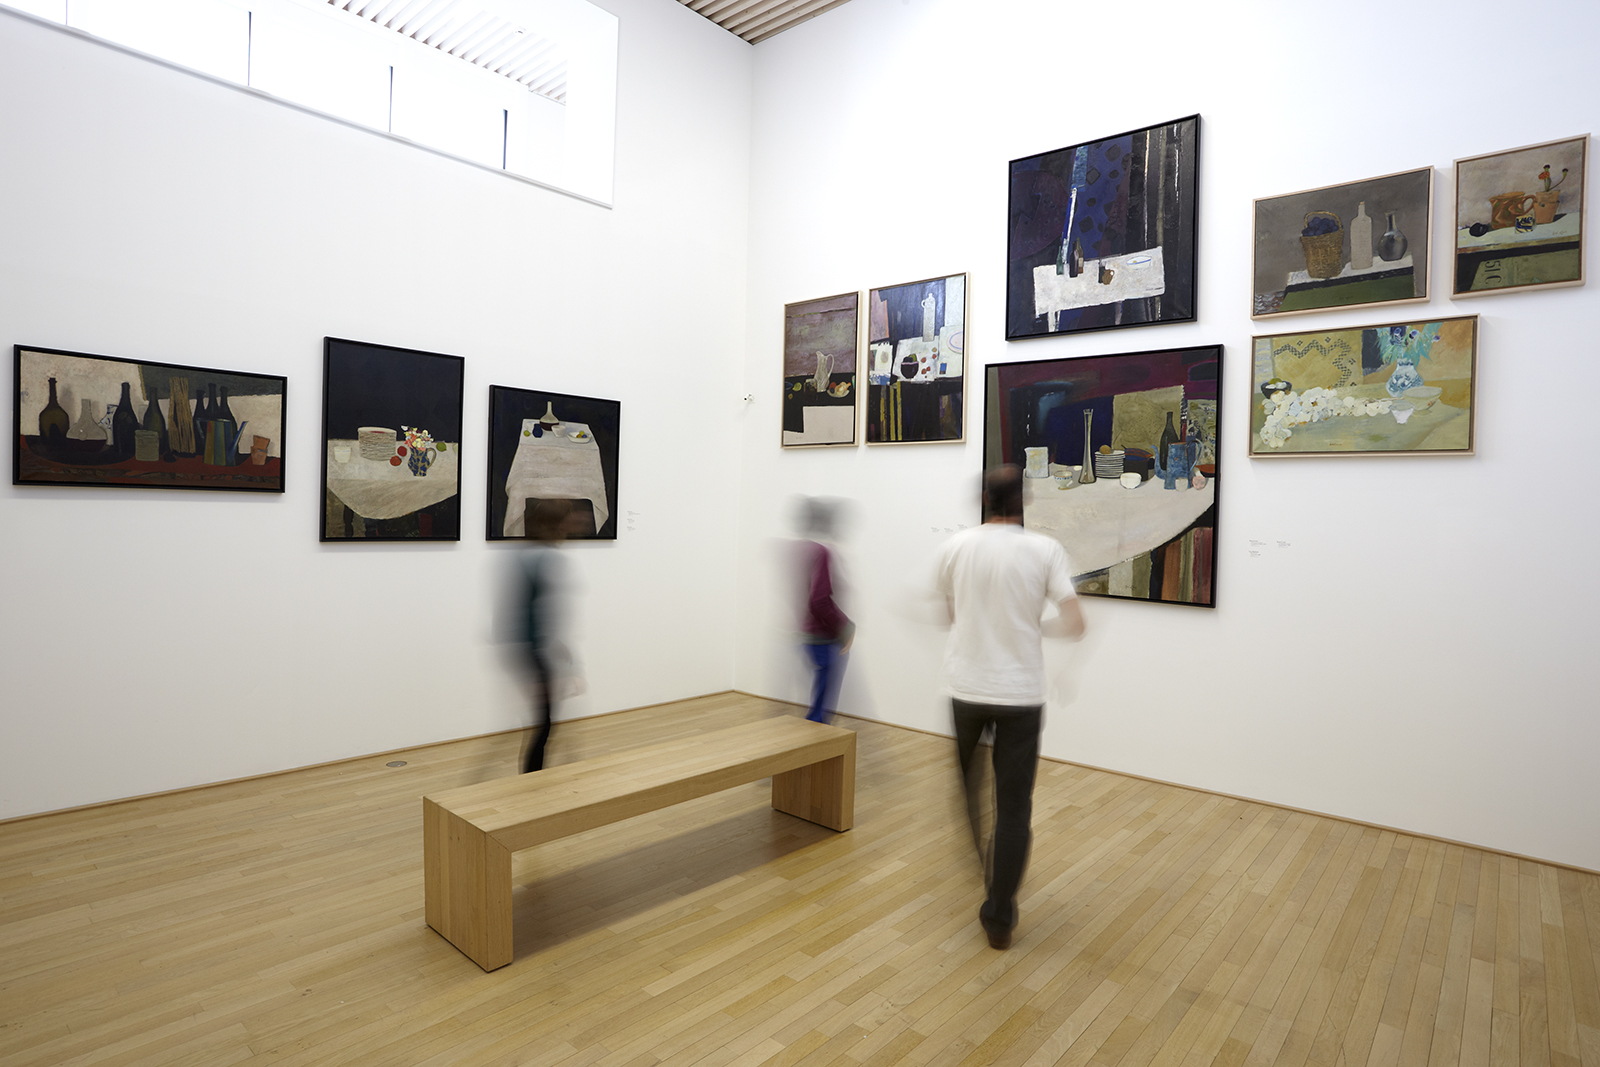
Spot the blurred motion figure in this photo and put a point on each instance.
(543, 617)
(997, 579)
(825, 631)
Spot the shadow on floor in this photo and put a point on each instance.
(550, 910)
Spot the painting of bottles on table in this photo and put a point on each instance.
(91, 420)
(1397, 388)
(1120, 464)
(391, 443)
(916, 380)
(1360, 243)
(1102, 234)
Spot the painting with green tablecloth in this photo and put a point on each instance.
(1356, 244)
(1519, 218)
(1398, 388)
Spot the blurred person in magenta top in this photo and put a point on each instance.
(825, 631)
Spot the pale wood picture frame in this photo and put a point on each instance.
(1348, 392)
(1522, 236)
(821, 360)
(916, 362)
(1378, 253)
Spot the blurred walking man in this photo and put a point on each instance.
(997, 580)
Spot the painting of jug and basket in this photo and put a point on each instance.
(89, 420)
(391, 429)
(1120, 462)
(1355, 244)
(1519, 218)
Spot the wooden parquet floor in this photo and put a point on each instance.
(279, 921)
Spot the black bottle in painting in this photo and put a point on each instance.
(53, 420)
(199, 418)
(123, 425)
(153, 420)
(208, 427)
(1169, 437)
(227, 432)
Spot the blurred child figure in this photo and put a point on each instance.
(825, 631)
(997, 580)
(543, 614)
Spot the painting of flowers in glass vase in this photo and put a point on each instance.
(1356, 244)
(1519, 218)
(1397, 388)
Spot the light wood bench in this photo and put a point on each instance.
(469, 834)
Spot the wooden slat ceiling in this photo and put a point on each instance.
(756, 20)
(469, 31)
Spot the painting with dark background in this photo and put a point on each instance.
(1362, 242)
(97, 420)
(552, 446)
(391, 430)
(1121, 464)
(1102, 234)
(820, 344)
(916, 361)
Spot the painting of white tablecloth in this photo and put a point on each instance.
(376, 489)
(555, 466)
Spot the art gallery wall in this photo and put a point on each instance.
(153, 640)
(1405, 641)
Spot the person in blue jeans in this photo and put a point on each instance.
(997, 580)
(825, 631)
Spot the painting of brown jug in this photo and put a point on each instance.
(1544, 206)
(1505, 208)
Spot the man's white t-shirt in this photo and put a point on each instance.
(999, 577)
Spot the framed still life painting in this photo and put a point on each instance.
(102, 421)
(1519, 218)
(391, 443)
(1120, 464)
(821, 343)
(1102, 234)
(552, 446)
(1356, 244)
(916, 365)
(1400, 388)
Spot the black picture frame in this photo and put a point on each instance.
(1040, 404)
(104, 452)
(552, 458)
(373, 490)
(1084, 214)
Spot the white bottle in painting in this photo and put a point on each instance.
(1361, 239)
(928, 306)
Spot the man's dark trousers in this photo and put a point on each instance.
(1016, 758)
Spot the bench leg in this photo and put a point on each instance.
(823, 793)
(467, 885)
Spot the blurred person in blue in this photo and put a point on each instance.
(825, 631)
(542, 617)
(997, 581)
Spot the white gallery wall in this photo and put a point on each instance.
(1406, 641)
(152, 640)
(1399, 640)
